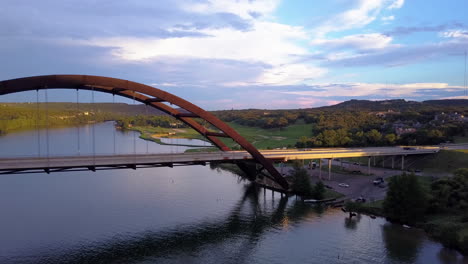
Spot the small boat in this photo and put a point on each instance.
(406, 226)
(311, 201)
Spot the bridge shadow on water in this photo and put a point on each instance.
(242, 228)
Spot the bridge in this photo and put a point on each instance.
(200, 120)
(102, 162)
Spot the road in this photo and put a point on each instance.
(27, 163)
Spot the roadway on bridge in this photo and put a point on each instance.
(27, 163)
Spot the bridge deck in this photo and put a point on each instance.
(28, 164)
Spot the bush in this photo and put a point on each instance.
(318, 191)
(406, 200)
(301, 181)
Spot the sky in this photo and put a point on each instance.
(238, 54)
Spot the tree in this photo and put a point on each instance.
(406, 200)
(374, 136)
(450, 193)
(390, 138)
(318, 191)
(301, 181)
(351, 207)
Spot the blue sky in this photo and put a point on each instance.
(223, 54)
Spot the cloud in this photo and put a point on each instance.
(275, 47)
(398, 55)
(388, 18)
(401, 31)
(290, 74)
(396, 4)
(375, 89)
(364, 13)
(357, 42)
(244, 8)
(162, 18)
(456, 97)
(456, 33)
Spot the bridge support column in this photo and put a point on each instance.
(368, 165)
(341, 164)
(320, 169)
(383, 162)
(329, 168)
(402, 162)
(374, 161)
(393, 162)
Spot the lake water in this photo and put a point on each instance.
(177, 215)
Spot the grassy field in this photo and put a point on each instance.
(444, 161)
(259, 137)
(460, 139)
(272, 138)
(155, 133)
(329, 194)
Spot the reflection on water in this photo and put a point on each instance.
(79, 141)
(247, 221)
(184, 215)
(402, 244)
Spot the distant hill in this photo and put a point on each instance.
(398, 105)
(448, 102)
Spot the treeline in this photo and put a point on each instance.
(364, 123)
(348, 138)
(409, 201)
(260, 118)
(18, 116)
(165, 121)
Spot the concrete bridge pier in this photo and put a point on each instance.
(320, 169)
(402, 162)
(393, 162)
(329, 168)
(368, 165)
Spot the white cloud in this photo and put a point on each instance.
(388, 18)
(373, 89)
(267, 42)
(272, 44)
(290, 74)
(456, 97)
(359, 42)
(364, 13)
(456, 33)
(242, 8)
(396, 4)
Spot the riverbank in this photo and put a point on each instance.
(449, 229)
(156, 134)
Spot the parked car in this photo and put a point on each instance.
(378, 181)
(345, 185)
(361, 199)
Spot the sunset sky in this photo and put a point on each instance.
(223, 54)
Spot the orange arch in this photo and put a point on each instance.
(151, 96)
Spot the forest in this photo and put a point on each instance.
(349, 124)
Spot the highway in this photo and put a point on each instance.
(23, 164)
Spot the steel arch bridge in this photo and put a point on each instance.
(153, 97)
